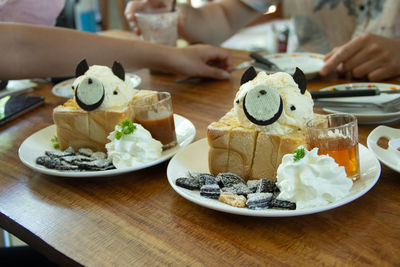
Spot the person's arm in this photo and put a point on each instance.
(35, 51)
(212, 23)
(367, 56)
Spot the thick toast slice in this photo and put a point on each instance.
(246, 152)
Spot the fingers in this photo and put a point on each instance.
(330, 54)
(216, 73)
(130, 10)
(381, 74)
(342, 54)
(211, 62)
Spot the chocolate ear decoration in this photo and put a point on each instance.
(300, 79)
(118, 70)
(81, 68)
(248, 75)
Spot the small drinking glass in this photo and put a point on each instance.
(159, 26)
(336, 135)
(154, 112)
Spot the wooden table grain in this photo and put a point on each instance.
(137, 219)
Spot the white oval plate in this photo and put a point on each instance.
(390, 157)
(365, 116)
(195, 158)
(64, 88)
(36, 145)
(309, 63)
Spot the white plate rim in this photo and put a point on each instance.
(364, 118)
(386, 156)
(136, 80)
(372, 171)
(185, 131)
(275, 57)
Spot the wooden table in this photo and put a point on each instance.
(138, 219)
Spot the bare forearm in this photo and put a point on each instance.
(215, 22)
(32, 51)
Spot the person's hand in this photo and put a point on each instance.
(142, 6)
(367, 56)
(202, 61)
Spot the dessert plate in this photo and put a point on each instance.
(390, 156)
(367, 115)
(39, 142)
(183, 161)
(64, 88)
(309, 63)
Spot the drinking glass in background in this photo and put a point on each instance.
(154, 112)
(159, 26)
(336, 135)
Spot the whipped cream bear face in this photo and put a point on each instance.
(276, 103)
(102, 88)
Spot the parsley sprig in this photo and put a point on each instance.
(127, 127)
(54, 141)
(299, 154)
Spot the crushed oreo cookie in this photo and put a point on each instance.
(69, 160)
(231, 189)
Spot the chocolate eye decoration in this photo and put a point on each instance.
(292, 108)
(262, 105)
(89, 94)
(237, 101)
(115, 92)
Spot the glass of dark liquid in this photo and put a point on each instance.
(156, 115)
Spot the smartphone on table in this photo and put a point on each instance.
(12, 107)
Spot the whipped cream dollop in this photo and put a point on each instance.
(297, 107)
(312, 181)
(117, 93)
(133, 149)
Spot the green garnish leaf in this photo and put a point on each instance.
(127, 127)
(54, 140)
(299, 154)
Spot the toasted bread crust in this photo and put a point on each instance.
(246, 152)
(89, 129)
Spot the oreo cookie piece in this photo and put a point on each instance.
(262, 105)
(81, 68)
(283, 204)
(59, 154)
(228, 179)
(3, 84)
(85, 151)
(259, 200)
(188, 183)
(95, 165)
(238, 189)
(76, 158)
(64, 166)
(48, 162)
(99, 155)
(210, 191)
(301, 80)
(253, 184)
(267, 186)
(248, 75)
(89, 94)
(118, 70)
